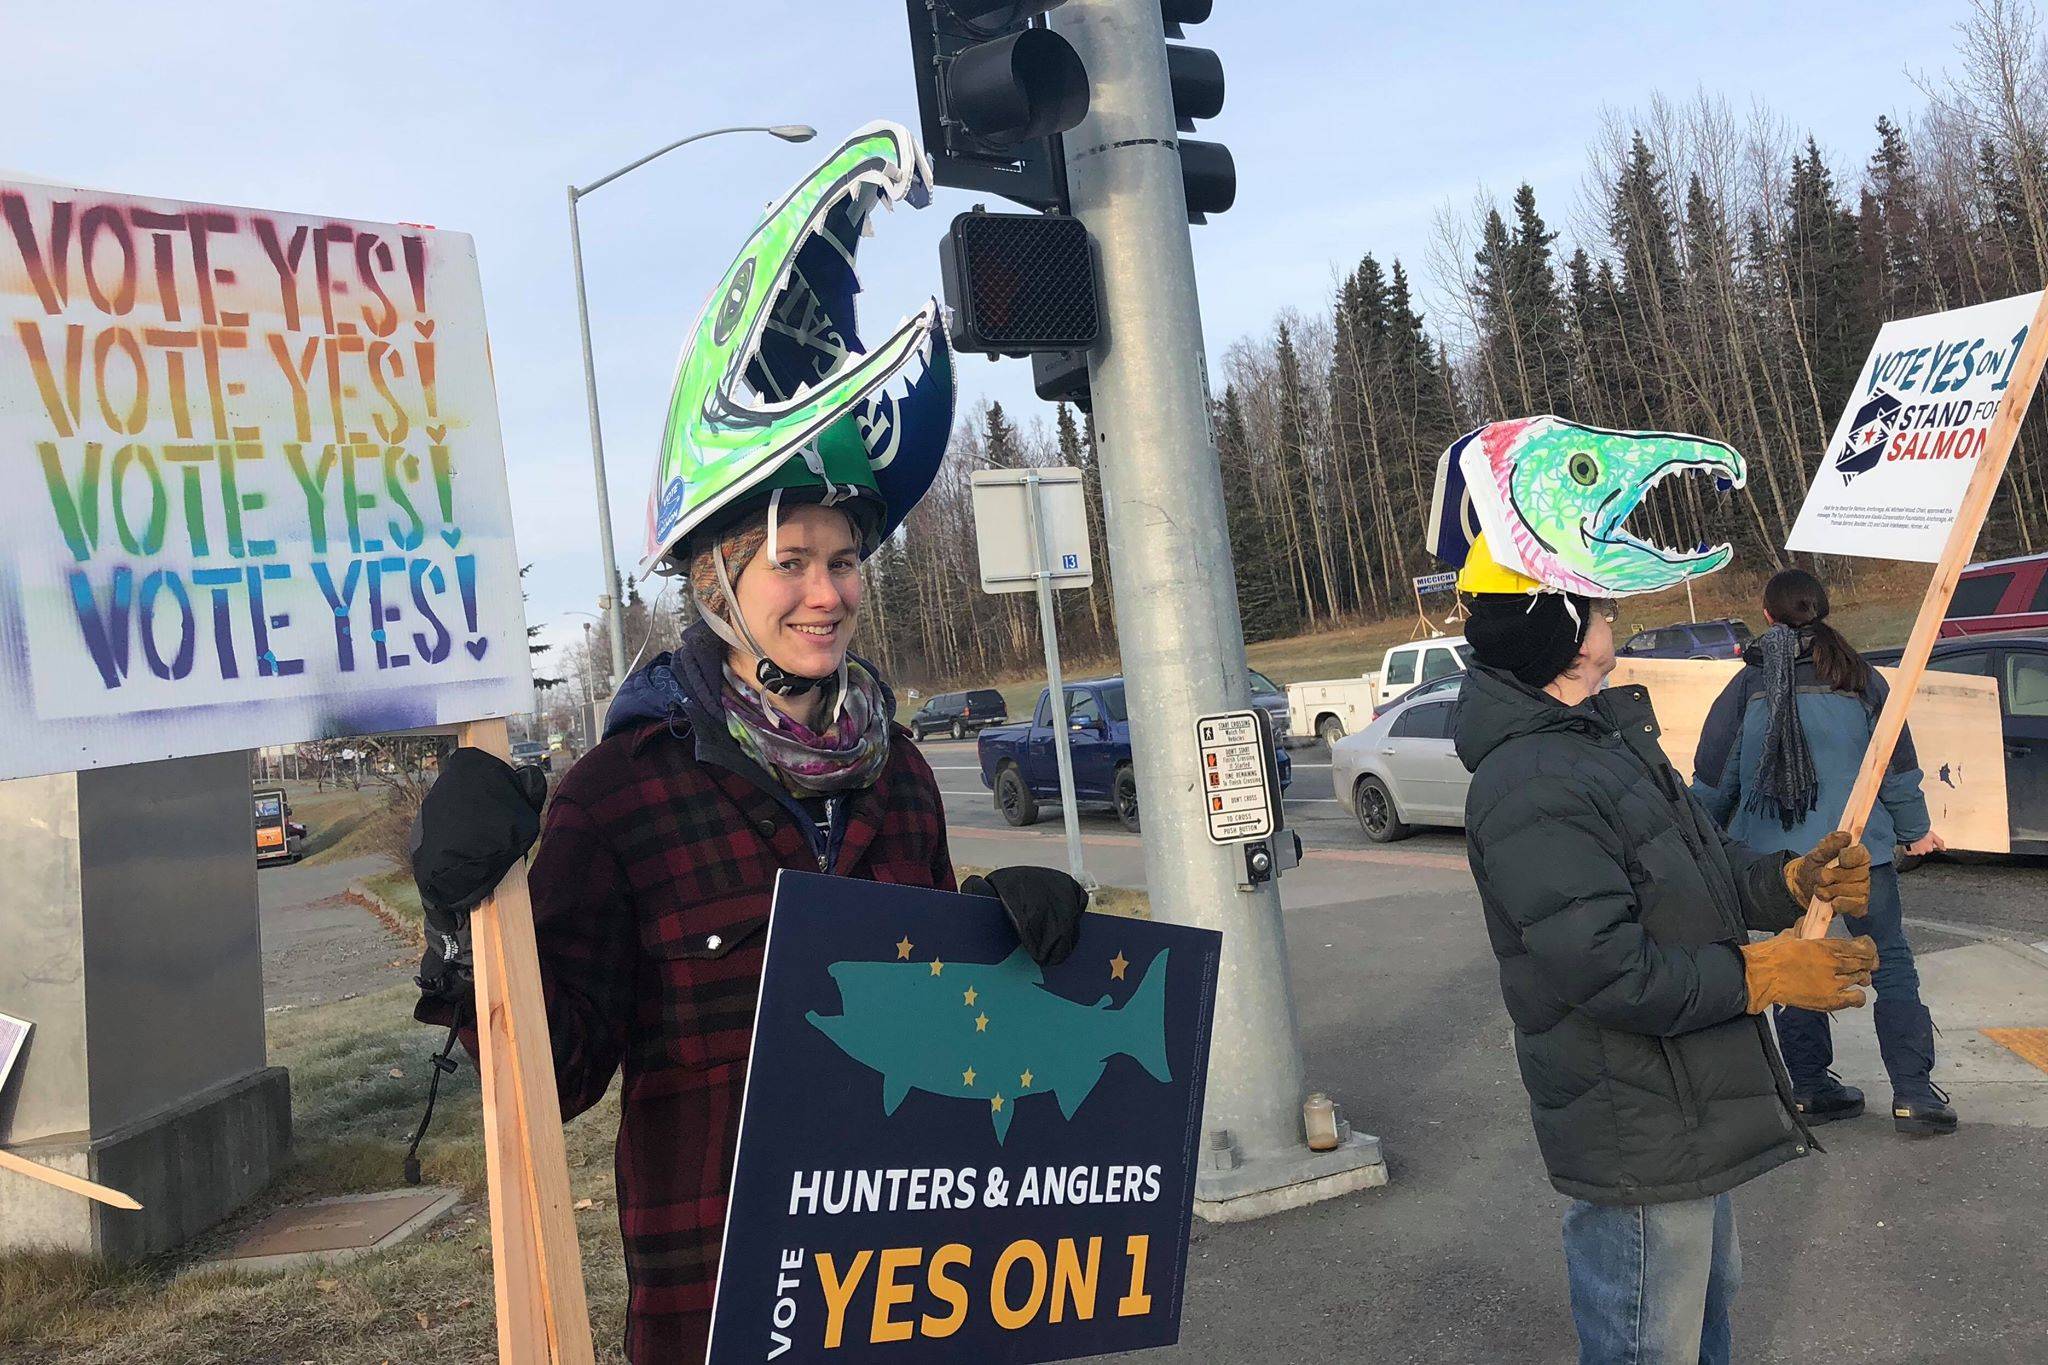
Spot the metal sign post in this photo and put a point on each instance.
(1176, 606)
(1431, 582)
(1053, 553)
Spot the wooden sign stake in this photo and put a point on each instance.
(65, 1181)
(543, 1317)
(1948, 571)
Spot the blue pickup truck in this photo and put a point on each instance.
(1019, 765)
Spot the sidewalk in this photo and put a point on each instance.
(1882, 1249)
(1999, 986)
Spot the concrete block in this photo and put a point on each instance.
(1257, 1189)
(189, 1166)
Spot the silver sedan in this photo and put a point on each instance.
(1400, 771)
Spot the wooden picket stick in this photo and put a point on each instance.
(543, 1316)
(65, 1181)
(1948, 571)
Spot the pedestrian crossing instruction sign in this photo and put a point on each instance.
(1238, 776)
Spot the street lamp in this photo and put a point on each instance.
(586, 712)
(609, 601)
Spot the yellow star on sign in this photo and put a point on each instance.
(903, 949)
(969, 996)
(937, 966)
(967, 1076)
(997, 1102)
(981, 1023)
(1117, 965)
(1026, 1078)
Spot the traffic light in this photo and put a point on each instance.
(995, 89)
(1196, 74)
(1019, 283)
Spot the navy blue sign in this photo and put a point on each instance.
(949, 1153)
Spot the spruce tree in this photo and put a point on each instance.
(1824, 276)
(1639, 225)
(999, 443)
(1896, 199)
(1264, 607)
(1538, 302)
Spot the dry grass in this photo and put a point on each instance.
(358, 1071)
(340, 823)
(427, 1300)
(1874, 606)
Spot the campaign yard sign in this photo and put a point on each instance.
(948, 1153)
(1893, 477)
(255, 489)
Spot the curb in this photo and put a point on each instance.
(380, 909)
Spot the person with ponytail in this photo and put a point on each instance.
(1777, 757)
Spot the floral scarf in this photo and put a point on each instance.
(845, 756)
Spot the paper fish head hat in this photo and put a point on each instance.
(776, 387)
(1552, 501)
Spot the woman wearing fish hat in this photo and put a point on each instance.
(761, 743)
(1620, 913)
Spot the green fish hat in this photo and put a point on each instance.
(775, 388)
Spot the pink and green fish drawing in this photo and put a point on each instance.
(1557, 496)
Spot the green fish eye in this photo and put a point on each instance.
(1584, 469)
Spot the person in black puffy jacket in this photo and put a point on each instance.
(1620, 916)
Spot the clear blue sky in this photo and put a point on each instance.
(1350, 123)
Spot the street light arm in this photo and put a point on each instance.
(577, 192)
(614, 614)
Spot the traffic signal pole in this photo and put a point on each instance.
(1176, 609)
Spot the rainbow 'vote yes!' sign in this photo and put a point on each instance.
(255, 489)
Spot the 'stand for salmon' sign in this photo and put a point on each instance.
(1892, 478)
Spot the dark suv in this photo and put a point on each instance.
(1721, 639)
(959, 714)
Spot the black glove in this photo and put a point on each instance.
(1044, 905)
(479, 818)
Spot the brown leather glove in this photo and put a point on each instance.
(1845, 885)
(1812, 973)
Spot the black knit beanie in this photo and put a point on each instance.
(1533, 637)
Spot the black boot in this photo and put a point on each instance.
(1905, 1038)
(1924, 1115)
(1827, 1100)
(1809, 1049)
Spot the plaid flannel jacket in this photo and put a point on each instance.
(650, 897)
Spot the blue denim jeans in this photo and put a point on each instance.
(1652, 1283)
(1803, 1035)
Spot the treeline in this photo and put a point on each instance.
(1720, 277)
(1719, 274)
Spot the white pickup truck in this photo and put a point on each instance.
(1342, 706)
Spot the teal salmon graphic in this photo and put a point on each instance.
(990, 1032)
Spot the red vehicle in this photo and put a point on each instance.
(2004, 594)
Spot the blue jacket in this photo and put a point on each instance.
(1838, 726)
